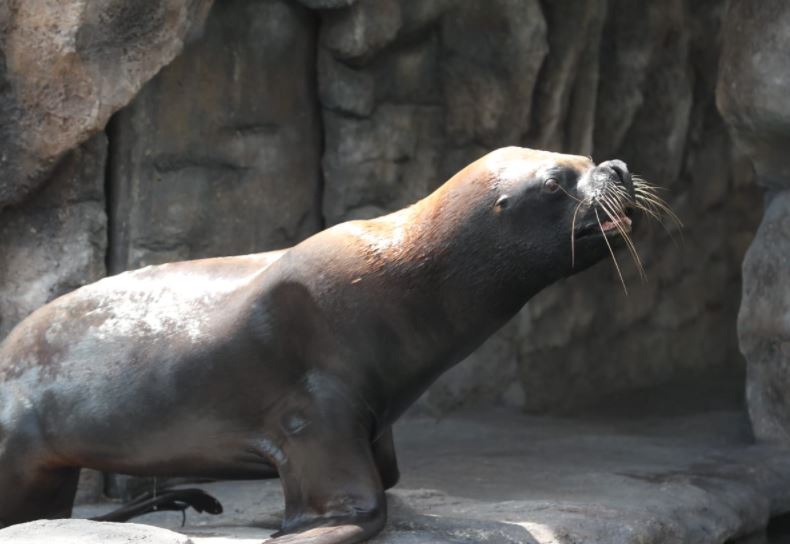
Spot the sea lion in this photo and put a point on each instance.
(294, 363)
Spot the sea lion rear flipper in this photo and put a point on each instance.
(173, 499)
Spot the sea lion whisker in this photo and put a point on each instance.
(660, 205)
(647, 200)
(570, 195)
(646, 191)
(617, 200)
(614, 259)
(626, 237)
(573, 233)
(622, 194)
(640, 182)
(614, 202)
(649, 211)
(658, 217)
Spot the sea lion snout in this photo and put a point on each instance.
(612, 173)
(617, 172)
(619, 168)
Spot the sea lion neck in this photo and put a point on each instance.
(444, 265)
(458, 236)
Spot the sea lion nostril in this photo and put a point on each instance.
(618, 169)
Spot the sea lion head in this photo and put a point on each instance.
(554, 214)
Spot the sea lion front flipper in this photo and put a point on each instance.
(332, 487)
(333, 495)
(339, 534)
(386, 461)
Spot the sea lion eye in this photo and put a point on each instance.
(502, 202)
(551, 185)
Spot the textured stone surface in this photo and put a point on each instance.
(567, 88)
(56, 241)
(219, 154)
(752, 95)
(764, 322)
(361, 30)
(326, 4)
(583, 339)
(67, 65)
(503, 478)
(80, 531)
(399, 121)
(611, 79)
(411, 95)
(753, 85)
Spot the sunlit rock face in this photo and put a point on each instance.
(219, 154)
(56, 240)
(67, 65)
(752, 91)
(251, 124)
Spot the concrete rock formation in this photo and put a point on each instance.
(764, 322)
(505, 478)
(81, 531)
(219, 153)
(279, 120)
(57, 240)
(636, 83)
(286, 116)
(67, 65)
(752, 95)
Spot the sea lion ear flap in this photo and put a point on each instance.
(502, 202)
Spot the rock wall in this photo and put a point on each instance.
(219, 153)
(285, 116)
(411, 91)
(585, 338)
(57, 240)
(752, 95)
(65, 67)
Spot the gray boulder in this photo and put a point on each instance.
(219, 153)
(752, 90)
(764, 322)
(65, 67)
(56, 241)
(82, 531)
(753, 84)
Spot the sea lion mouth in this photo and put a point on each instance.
(622, 222)
(610, 215)
(609, 225)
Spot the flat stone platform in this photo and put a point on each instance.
(504, 477)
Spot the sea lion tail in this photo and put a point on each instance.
(173, 499)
